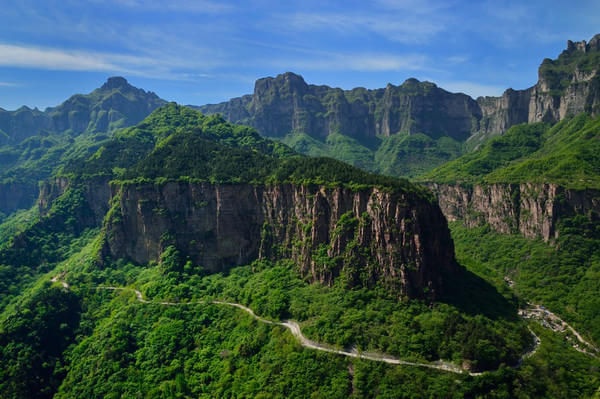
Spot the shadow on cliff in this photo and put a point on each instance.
(474, 295)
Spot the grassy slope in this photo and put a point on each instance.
(567, 154)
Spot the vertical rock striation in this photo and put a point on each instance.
(367, 237)
(286, 104)
(533, 210)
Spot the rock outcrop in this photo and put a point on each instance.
(533, 210)
(368, 237)
(566, 86)
(95, 192)
(15, 196)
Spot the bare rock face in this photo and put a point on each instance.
(567, 86)
(500, 113)
(367, 237)
(95, 192)
(532, 210)
(15, 196)
(286, 104)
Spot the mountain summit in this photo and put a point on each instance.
(115, 82)
(115, 104)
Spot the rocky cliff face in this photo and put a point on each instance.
(96, 195)
(286, 104)
(369, 236)
(15, 196)
(500, 113)
(532, 210)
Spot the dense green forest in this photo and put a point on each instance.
(402, 154)
(72, 325)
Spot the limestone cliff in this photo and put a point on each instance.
(368, 236)
(287, 104)
(566, 86)
(95, 193)
(533, 210)
(15, 196)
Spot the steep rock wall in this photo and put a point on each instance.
(15, 196)
(532, 210)
(368, 236)
(286, 104)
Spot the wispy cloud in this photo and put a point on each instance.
(403, 28)
(361, 62)
(195, 6)
(457, 59)
(40, 58)
(71, 60)
(9, 84)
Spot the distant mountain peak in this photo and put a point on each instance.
(583, 46)
(115, 82)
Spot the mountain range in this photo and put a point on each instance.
(134, 231)
(417, 123)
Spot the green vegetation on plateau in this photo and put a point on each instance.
(177, 143)
(567, 153)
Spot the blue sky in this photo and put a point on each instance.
(205, 51)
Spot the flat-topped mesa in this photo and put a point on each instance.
(367, 237)
(286, 103)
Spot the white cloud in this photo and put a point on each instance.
(39, 58)
(407, 28)
(8, 84)
(157, 66)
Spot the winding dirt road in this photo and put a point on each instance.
(536, 312)
(533, 312)
(296, 331)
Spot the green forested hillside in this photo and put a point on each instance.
(567, 153)
(71, 324)
(402, 154)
